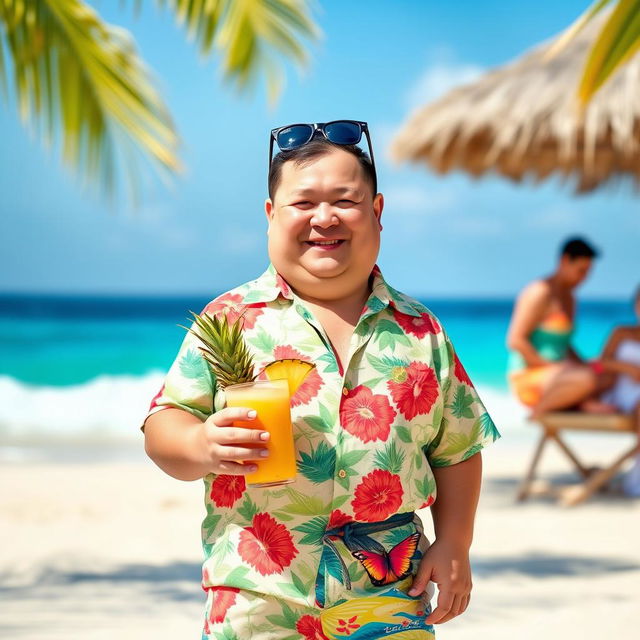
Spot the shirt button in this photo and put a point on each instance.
(345, 391)
(342, 473)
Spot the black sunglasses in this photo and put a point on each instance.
(294, 136)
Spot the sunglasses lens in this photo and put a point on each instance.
(294, 137)
(342, 132)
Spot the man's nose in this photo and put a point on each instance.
(324, 216)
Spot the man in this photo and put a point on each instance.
(545, 370)
(388, 415)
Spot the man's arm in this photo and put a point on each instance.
(446, 562)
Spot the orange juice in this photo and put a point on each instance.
(270, 399)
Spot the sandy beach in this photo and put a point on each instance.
(111, 549)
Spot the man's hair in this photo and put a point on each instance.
(578, 248)
(314, 149)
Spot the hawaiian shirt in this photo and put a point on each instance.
(367, 437)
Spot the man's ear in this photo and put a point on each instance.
(268, 209)
(378, 206)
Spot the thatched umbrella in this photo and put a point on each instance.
(523, 120)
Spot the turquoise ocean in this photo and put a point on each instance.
(87, 367)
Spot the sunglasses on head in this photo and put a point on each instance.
(294, 136)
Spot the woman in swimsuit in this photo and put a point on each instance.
(621, 360)
(545, 371)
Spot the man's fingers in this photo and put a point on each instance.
(227, 416)
(225, 454)
(237, 435)
(235, 468)
(421, 580)
(445, 602)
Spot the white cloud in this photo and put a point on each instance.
(442, 74)
(414, 200)
(556, 218)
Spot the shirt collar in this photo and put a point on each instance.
(271, 285)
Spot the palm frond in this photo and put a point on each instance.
(616, 43)
(71, 69)
(247, 34)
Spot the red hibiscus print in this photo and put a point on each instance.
(418, 326)
(310, 628)
(267, 546)
(312, 383)
(226, 490)
(378, 496)
(223, 599)
(460, 372)
(338, 519)
(414, 389)
(231, 305)
(281, 283)
(365, 415)
(428, 503)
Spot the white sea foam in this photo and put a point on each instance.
(105, 407)
(114, 407)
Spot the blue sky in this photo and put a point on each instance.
(377, 61)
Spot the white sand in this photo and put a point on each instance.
(112, 550)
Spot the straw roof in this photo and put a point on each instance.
(522, 120)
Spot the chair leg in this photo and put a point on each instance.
(584, 472)
(525, 486)
(579, 494)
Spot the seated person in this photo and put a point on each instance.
(621, 360)
(545, 371)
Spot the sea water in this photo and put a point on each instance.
(85, 368)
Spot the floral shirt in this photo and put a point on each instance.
(367, 436)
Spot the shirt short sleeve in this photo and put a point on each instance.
(465, 426)
(189, 383)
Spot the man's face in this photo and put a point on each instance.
(324, 225)
(575, 270)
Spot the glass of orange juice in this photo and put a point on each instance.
(270, 400)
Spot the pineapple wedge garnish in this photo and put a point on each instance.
(293, 371)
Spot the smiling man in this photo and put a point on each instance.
(388, 417)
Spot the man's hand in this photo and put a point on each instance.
(448, 566)
(224, 447)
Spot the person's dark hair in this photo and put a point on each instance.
(314, 149)
(578, 248)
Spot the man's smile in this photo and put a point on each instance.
(325, 245)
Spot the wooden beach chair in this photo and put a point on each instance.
(552, 425)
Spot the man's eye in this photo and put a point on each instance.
(302, 203)
(346, 202)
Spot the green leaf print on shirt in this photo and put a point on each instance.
(237, 578)
(248, 509)
(458, 443)
(192, 364)
(319, 465)
(386, 365)
(462, 403)
(390, 458)
(263, 341)
(288, 619)
(345, 464)
(388, 334)
(488, 426)
(332, 365)
(314, 530)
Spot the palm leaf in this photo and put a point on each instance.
(71, 69)
(247, 34)
(618, 40)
